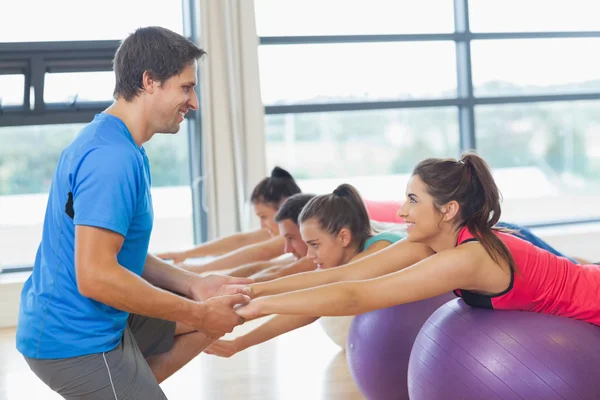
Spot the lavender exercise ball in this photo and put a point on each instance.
(379, 344)
(468, 353)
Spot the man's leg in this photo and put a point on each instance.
(185, 348)
(167, 346)
(182, 329)
(121, 374)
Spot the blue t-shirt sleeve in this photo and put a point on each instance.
(106, 188)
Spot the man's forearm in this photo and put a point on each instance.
(167, 276)
(120, 288)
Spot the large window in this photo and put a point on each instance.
(67, 67)
(69, 87)
(545, 153)
(325, 149)
(535, 66)
(361, 94)
(79, 20)
(352, 17)
(347, 72)
(28, 157)
(533, 15)
(11, 89)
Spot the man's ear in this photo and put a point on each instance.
(149, 82)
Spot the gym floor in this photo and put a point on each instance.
(303, 364)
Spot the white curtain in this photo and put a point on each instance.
(232, 113)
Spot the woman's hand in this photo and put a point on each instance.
(223, 348)
(252, 310)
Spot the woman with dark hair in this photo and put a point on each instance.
(452, 244)
(262, 245)
(337, 230)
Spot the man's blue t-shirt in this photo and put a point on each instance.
(103, 180)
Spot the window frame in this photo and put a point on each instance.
(35, 59)
(465, 101)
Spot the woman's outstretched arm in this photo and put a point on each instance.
(436, 275)
(393, 258)
(263, 251)
(218, 246)
(276, 326)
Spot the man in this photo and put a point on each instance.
(100, 318)
(287, 220)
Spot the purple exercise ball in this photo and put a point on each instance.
(379, 344)
(464, 352)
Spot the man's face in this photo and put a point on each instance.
(172, 99)
(293, 240)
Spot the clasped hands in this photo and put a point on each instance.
(226, 303)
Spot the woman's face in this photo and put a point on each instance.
(324, 249)
(266, 215)
(419, 212)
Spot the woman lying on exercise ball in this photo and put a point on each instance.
(337, 230)
(262, 246)
(451, 209)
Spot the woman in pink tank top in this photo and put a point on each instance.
(451, 208)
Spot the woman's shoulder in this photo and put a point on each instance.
(389, 236)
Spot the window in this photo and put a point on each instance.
(27, 163)
(69, 87)
(536, 66)
(326, 73)
(545, 153)
(12, 90)
(374, 150)
(75, 20)
(533, 15)
(352, 17)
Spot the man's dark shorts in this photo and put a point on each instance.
(120, 374)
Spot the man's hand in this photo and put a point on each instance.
(216, 316)
(223, 348)
(235, 289)
(204, 288)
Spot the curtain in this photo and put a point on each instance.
(232, 114)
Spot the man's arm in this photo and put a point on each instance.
(106, 187)
(100, 277)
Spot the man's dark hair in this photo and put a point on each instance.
(161, 52)
(292, 206)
